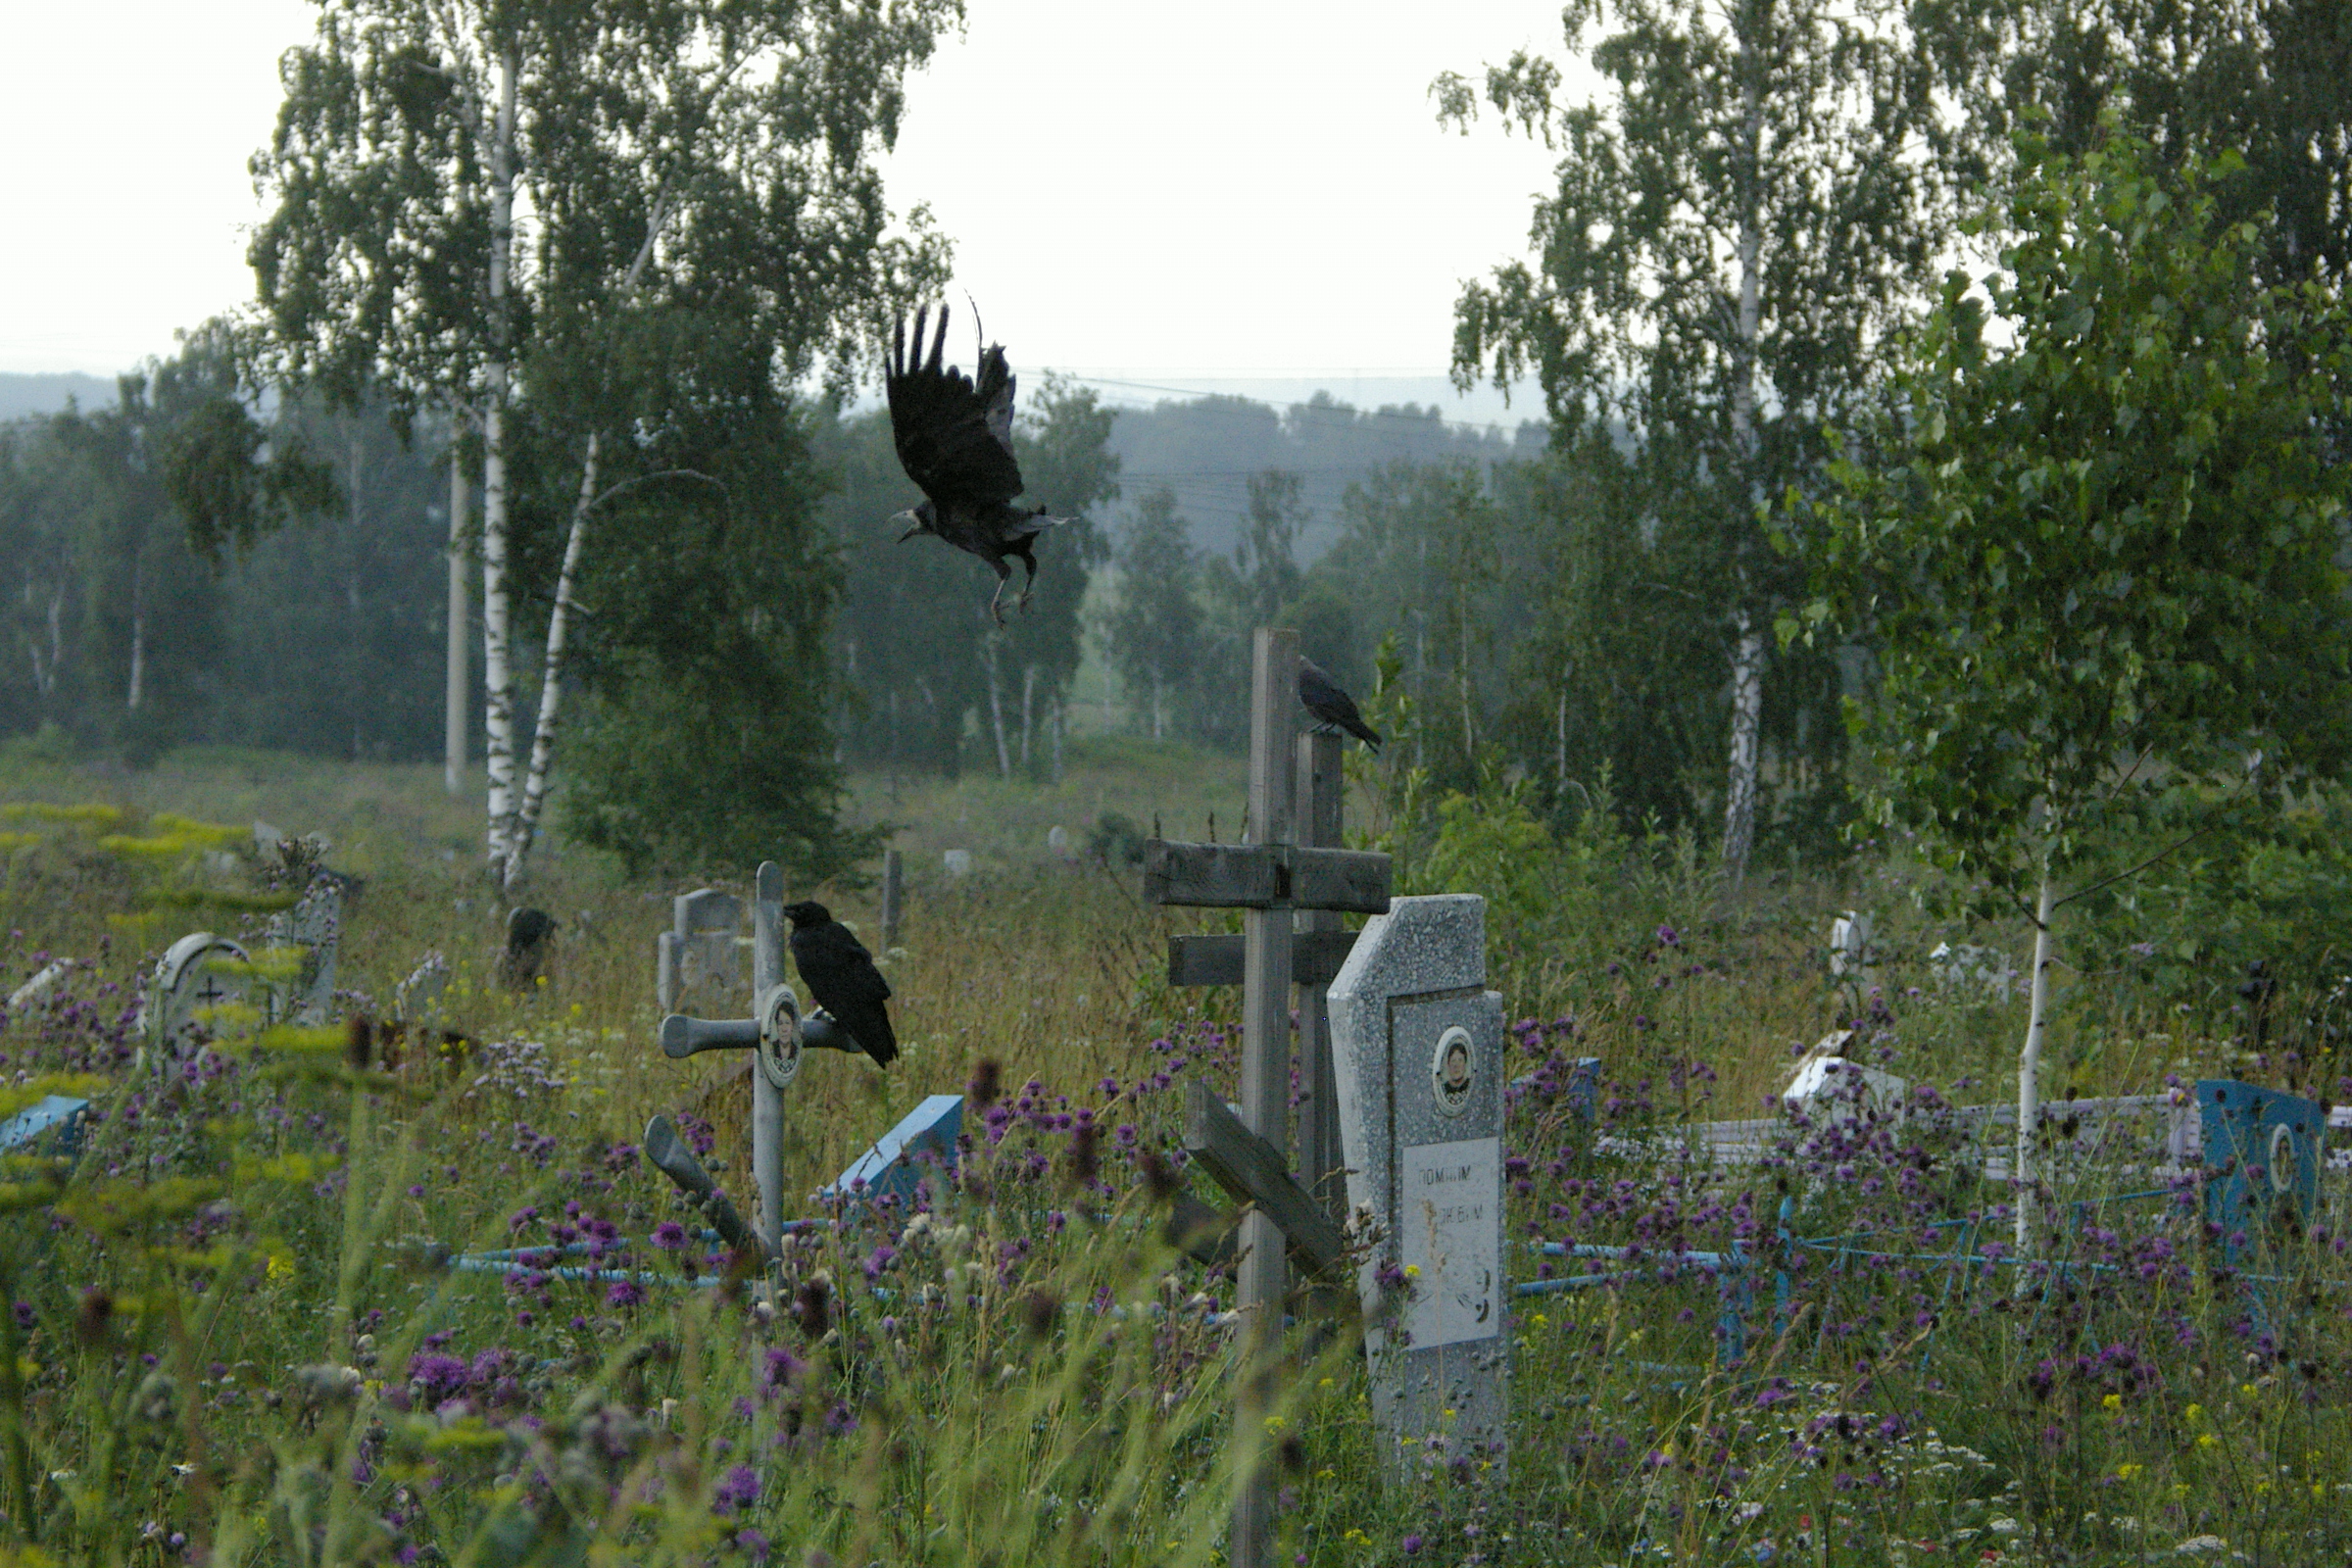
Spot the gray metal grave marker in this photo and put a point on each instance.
(1417, 1052)
(698, 966)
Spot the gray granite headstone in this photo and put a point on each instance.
(314, 926)
(701, 971)
(202, 989)
(1417, 1056)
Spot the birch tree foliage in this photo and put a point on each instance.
(1738, 222)
(2100, 565)
(470, 197)
(2100, 561)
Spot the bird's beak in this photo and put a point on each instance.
(914, 525)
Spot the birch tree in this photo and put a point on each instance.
(1739, 218)
(471, 193)
(2100, 565)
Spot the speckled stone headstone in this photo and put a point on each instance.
(699, 969)
(1417, 1053)
(314, 927)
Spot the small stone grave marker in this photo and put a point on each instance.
(315, 926)
(1417, 1053)
(418, 999)
(699, 969)
(179, 1007)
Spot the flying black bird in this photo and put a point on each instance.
(1332, 707)
(842, 977)
(954, 440)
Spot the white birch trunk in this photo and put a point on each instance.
(1559, 754)
(498, 678)
(138, 660)
(1747, 712)
(550, 679)
(2029, 1063)
(1028, 711)
(996, 711)
(1748, 653)
(453, 738)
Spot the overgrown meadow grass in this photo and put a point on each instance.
(240, 1333)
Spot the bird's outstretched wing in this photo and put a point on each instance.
(955, 439)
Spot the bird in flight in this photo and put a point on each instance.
(954, 440)
(842, 977)
(1331, 707)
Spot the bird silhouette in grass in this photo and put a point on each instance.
(842, 977)
(1331, 707)
(954, 440)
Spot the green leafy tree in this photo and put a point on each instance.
(2100, 565)
(121, 520)
(496, 208)
(1066, 462)
(1155, 629)
(1737, 223)
(2262, 78)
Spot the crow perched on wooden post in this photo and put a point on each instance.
(954, 440)
(1331, 707)
(842, 977)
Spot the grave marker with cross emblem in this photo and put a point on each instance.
(777, 1034)
(1278, 872)
(182, 1005)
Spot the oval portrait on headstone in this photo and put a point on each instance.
(1454, 1069)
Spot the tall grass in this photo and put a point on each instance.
(238, 1333)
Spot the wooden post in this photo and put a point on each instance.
(767, 1100)
(894, 898)
(1321, 793)
(1266, 1080)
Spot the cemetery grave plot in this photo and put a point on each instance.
(1750, 1338)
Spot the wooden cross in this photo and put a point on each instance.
(1282, 870)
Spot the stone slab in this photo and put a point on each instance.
(1417, 1059)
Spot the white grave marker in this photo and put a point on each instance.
(1417, 1055)
(179, 1005)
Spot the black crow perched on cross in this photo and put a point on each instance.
(1331, 707)
(842, 977)
(954, 440)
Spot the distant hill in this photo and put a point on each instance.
(1206, 448)
(21, 395)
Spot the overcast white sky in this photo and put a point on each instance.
(1231, 188)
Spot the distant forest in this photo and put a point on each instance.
(327, 635)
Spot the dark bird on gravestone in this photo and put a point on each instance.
(954, 440)
(842, 977)
(1332, 708)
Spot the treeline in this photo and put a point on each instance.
(687, 566)
(132, 631)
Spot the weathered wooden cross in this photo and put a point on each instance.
(1287, 867)
(775, 1034)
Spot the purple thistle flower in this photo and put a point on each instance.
(624, 1293)
(738, 1489)
(671, 1235)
